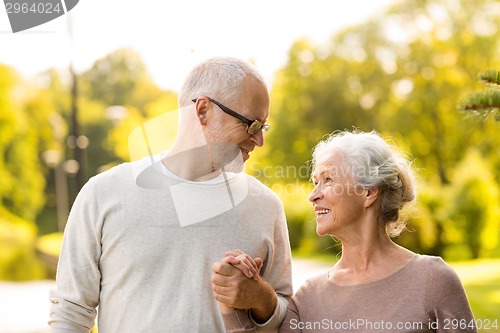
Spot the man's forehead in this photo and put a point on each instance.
(255, 110)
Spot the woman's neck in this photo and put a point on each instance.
(367, 257)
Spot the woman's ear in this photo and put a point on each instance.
(372, 194)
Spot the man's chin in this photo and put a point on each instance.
(245, 155)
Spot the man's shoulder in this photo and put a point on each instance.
(260, 188)
(123, 174)
(119, 170)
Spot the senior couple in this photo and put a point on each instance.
(146, 243)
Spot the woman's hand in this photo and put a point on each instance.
(235, 259)
(249, 266)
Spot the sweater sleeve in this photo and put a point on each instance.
(451, 306)
(76, 296)
(278, 273)
(238, 322)
(292, 318)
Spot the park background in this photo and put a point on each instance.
(402, 70)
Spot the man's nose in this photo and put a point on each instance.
(258, 138)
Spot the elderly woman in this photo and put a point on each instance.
(360, 185)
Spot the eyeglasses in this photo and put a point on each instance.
(253, 126)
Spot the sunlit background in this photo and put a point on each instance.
(73, 90)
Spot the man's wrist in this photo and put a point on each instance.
(226, 309)
(265, 308)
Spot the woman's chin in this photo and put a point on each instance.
(321, 232)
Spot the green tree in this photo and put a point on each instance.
(18, 259)
(401, 74)
(23, 134)
(160, 120)
(117, 81)
(119, 78)
(475, 204)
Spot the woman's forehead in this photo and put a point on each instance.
(326, 169)
(332, 165)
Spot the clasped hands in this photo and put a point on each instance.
(236, 282)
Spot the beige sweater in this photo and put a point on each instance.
(139, 246)
(424, 296)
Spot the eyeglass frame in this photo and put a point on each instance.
(261, 126)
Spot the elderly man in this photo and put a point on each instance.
(142, 237)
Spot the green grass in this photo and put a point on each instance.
(481, 280)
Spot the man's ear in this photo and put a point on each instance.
(202, 105)
(372, 194)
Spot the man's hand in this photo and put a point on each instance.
(237, 284)
(249, 266)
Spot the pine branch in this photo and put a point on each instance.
(490, 77)
(488, 100)
(484, 103)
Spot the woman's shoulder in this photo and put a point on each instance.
(438, 271)
(317, 284)
(433, 263)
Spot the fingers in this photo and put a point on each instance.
(224, 268)
(229, 266)
(236, 291)
(233, 253)
(228, 289)
(246, 263)
(231, 260)
(236, 280)
(259, 262)
(249, 266)
(225, 289)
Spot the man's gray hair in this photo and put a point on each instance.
(219, 78)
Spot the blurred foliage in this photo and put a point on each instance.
(21, 169)
(298, 209)
(50, 243)
(400, 73)
(481, 280)
(119, 78)
(18, 257)
(35, 142)
(474, 204)
(48, 247)
(159, 118)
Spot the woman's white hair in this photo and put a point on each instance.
(220, 78)
(373, 163)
